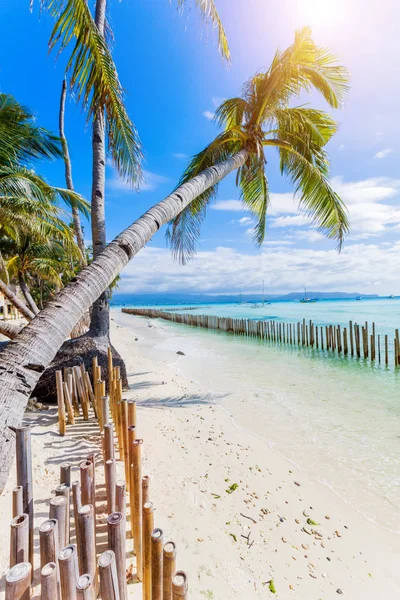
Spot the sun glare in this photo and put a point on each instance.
(320, 12)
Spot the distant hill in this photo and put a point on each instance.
(182, 298)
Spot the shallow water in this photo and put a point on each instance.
(338, 420)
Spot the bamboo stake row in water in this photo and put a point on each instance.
(70, 567)
(354, 340)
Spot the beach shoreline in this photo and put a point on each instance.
(277, 525)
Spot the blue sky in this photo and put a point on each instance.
(174, 79)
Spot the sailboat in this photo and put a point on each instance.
(263, 299)
(306, 299)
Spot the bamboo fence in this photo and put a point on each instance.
(358, 341)
(71, 565)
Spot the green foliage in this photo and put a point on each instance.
(232, 488)
(263, 118)
(272, 587)
(210, 13)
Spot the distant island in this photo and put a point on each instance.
(185, 298)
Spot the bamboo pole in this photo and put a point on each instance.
(60, 404)
(148, 526)
(86, 542)
(19, 540)
(17, 501)
(351, 338)
(379, 349)
(386, 351)
(68, 565)
(87, 482)
(136, 513)
(77, 504)
(18, 581)
(58, 511)
(91, 394)
(24, 478)
(48, 535)
(169, 568)
(116, 543)
(65, 473)
(73, 394)
(124, 429)
(145, 489)
(68, 403)
(64, 490)
(345, 347)
(49, 587)
(132, 413)
(108, 576)
(108, 442)
(179, 586)
(111, 479)
(86, 587)
(105, 411)
(120, 497)
(157, 539)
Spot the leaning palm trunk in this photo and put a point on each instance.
(27, 294)
(26, 357)
(68, 173)
(10, 330)
(15, 301)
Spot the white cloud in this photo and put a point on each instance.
(291, 221)
(383, 153)
(150, 182)
(208, 115)
(359, 267)
(234, 205)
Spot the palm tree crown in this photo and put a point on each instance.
(263, 118)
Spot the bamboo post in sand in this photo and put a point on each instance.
(148, 526)
(179, 586)
(117, 543)
(65, 473)
(73, 394)
(108, 442)
(86, 542)
(109, 589)
(77, 504)
(48, 535)
(345, 347)
(136, 513)
(18, 580)
(19, 540)
(64, 490)
(111, 479)
(351, 338)
(91, 394)
(120, 497)
(379, 349)
(68, 403)
(60, 404)
(17, 501)
(24, 478)
(124, 433)
(169, 568)
(48, 582)
(145, 489)
(105, 411)
(386, 351)
(86, 587)
(58, 511)
(68, 565)
(132, 413)
(157, 540)
(87, 482)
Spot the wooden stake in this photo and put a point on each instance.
(116, 543)
(18, 581)
(124, 432)
(65, 473)
(64, 490)
(86, 542)
(58, 510)
(111, 478)
(179, 586)
(73, 394)
(48, 535)
(386, 351)
(77, 503)
(145, 489)
(86, 587)
(68, 564)
(68, 404)
(157, 540)
(87, 482)
(136, 513)
(120, 497)
(108, 442)
(148, 526)
(19, 540)
(49, 588)
(108, 576)
(169, 568)
(60, 404)
(105, 410)
(17, 501)
(24, 478)
(132, 414)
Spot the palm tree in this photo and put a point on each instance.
(301, 67)
(27, 201)
(95, 81)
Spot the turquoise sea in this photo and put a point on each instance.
(336, 418)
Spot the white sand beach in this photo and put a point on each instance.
(241, 514)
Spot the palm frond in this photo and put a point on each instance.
(253, 184)
(94, 78)
(210, 13)
(231, 113)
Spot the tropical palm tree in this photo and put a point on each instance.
(301, 67)
(94, 79)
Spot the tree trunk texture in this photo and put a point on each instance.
(10, 330)
(100, 318)
(68, 173)
(13, 298)
(27, 294)
(26, 357)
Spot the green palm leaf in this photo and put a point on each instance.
(210, 13)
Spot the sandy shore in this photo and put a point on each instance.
(245, 520)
